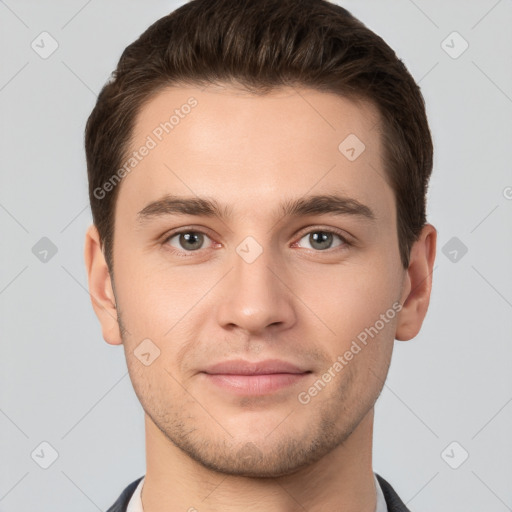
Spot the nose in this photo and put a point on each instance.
(256, 296)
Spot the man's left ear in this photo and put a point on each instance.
(417, 285)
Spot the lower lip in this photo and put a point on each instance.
(255, 384)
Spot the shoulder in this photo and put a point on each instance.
(393, 501)
(123, 500)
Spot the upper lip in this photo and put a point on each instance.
(242, 367)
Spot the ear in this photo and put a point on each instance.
(417, 285)
(100, 287)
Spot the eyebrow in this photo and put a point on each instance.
(300, 207)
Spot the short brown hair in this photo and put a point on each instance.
(262, 45)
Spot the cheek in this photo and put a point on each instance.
(346, 299)
(153, 298)
(163, 306)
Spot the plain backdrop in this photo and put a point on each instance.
(443, 421)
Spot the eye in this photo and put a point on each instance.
(322, 239)
(188, 241)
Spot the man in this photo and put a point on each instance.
(257, 176)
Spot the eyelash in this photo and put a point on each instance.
(186, 254)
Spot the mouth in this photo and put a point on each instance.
(254, 378)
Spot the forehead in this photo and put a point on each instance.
(250, 150)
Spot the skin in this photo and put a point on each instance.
(208, 448)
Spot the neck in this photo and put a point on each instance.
(341, 480)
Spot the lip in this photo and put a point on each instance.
(254, 378)
(242, 367)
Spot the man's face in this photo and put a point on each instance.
(257, 285)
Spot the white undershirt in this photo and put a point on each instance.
(135, 504)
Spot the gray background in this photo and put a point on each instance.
(63, 385)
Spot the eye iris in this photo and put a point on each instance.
(324, 239)
(189, 238)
